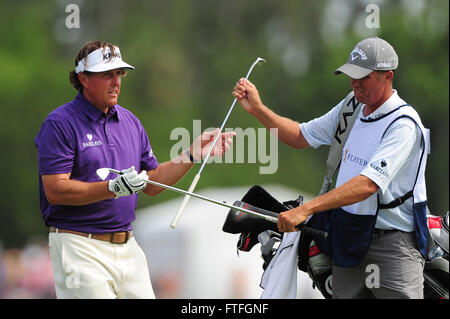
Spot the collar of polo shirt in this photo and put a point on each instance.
(101, 60)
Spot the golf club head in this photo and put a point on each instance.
(104, 172)
(260, 60)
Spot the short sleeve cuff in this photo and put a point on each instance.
(314, 143)
(377, 178)
(150, 163)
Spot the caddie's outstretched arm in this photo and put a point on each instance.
(288, 130)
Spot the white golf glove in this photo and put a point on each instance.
(128, 182)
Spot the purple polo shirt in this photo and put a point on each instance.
(78, 138)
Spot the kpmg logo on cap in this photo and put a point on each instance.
(358, 52)
(108, 55)
(91, 143)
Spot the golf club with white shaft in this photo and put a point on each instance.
(177, 217)
(267, 215)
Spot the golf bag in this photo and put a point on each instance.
(314, 262)
(255, 230)
(436, 270)
(436, 267)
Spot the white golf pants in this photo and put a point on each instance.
(90, 269)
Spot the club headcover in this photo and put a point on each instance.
(250, 226)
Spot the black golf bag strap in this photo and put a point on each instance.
(396, 202)
(348, 114)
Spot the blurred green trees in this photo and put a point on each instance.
(188, 56)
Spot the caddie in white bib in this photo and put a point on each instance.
(351, 227)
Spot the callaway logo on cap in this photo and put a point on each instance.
(358, 53)
(369, 55)
(102, 60)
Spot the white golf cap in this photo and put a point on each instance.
(372, 54)
(102, 60)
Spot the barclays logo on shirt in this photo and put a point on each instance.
(381, 170)
(91, 142)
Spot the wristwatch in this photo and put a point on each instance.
(191, 158)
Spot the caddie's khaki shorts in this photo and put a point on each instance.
(392, 269)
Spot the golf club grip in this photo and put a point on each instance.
(312, 231)
(186, 198)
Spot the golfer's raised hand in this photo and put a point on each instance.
(247, 95)
(203, 143)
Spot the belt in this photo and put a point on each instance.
(115, 238)
(381, 232)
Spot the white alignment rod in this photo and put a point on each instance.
(186, 198)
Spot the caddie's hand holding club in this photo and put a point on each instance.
(247, 95)
(127, 182)
(177, 217)
(289, 220)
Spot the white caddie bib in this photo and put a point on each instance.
(359, 149)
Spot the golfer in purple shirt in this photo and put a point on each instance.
(92, 248)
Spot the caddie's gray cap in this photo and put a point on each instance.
(368, 55)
